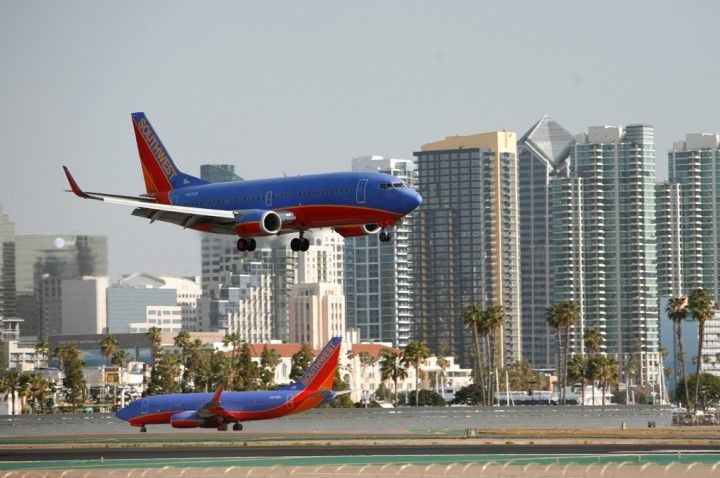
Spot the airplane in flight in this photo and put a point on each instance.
(352, 203)
(217, 410)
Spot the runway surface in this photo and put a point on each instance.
(96, 454)
(414, 421)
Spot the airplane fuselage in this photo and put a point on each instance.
(318, 200)
(179, 409)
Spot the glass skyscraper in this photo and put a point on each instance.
(378, 290)
(543, 151)
(688, 222)
(612, 274)
(466, 239)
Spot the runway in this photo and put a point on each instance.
(400, 450)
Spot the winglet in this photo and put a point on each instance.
(73, 185)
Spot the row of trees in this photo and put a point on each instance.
(699, 306)
(485, 325)
(394, 365)
(34, 390)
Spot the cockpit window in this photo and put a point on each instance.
(386, 186)
(398, 185)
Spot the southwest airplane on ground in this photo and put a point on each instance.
(353, 203)
(207, 410)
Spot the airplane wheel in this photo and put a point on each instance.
(222, 428)
(251, 244)
(305, 244)
(242, 244)
(143, 429)
(385, 236)
(295, 244)
(237, 427)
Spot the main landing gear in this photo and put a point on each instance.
(248, 244)
(143, 429)
(385, 236)
(300, 244)
(237, 427)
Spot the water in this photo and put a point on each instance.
(364, 422)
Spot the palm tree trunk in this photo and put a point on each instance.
(682, 364)
(395, 388)
(417, 383)
(478, 358)
(701, 337)
(559, 364)
(565, 362)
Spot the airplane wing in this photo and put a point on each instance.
(214, 220)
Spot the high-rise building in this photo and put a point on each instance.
(613, 274)
(317, 313)
(188, 292)
(8, 306)
(323, 262)
(132, 299)
(49, 259)
(221, 261)
(83, 305)
(688, 229)
(217, 250)
(689, 225)
(243, 305)
(466, 238)
(542, 152)
(378, 275)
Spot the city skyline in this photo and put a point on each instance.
(296, 89)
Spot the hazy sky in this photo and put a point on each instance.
(299, 87)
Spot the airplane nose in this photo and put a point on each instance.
(412, 199)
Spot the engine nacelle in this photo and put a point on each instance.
(186, 420)
(258, 223)
(356, 231)
(193, 420)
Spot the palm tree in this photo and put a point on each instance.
(702, 308)
(607, 372)
(677, 312)
(38, 391)
(41, 352)
(561, 316)
(108, 345)
(234, 340)
(182, 341)
(120, 358)
(443, 363)
(472, 317)
(9, 386)
(491, 322)
(577, 371)
(154, 335)
(415, 353)
(593, 339)
(391, 369)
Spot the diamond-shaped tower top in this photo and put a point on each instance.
(549, 139)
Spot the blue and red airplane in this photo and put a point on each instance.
(208, 410)
(352, 203)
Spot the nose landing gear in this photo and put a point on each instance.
(385, 236)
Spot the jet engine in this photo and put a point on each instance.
(186, 420)
(356, 231)
(257, 223)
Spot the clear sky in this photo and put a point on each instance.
(299, 87)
